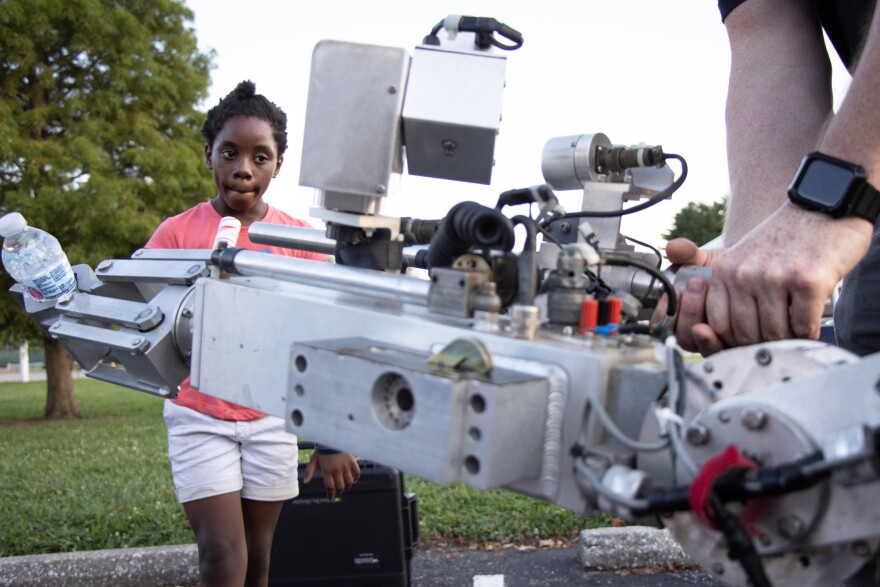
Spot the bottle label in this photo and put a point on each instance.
(54, 283)
(227, 232)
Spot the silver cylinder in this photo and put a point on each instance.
(569, 162)
(304, 238)
(291, 237)
(356, 281)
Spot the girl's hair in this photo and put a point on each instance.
(244, 101)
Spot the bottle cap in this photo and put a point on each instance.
(12, 223)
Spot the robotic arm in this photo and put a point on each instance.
(528, 370)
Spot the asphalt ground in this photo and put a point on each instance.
(623, 557)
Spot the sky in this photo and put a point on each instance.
(639, 71)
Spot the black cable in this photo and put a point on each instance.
(653, 249)
(657, 252)
(672, 305)
(639, 207)
(504, 47)
(484, 29)
(548, 235)
(743, 485)
(739, 544)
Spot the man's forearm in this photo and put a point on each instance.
(779, 98)
(854, 133)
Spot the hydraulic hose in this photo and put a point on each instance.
(469, 224)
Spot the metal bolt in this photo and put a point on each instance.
(186, 313)
(708, 367)
(754, 419)
(448, 147)
(194, 269)
(791, 526)
(144, 314)
(763, 357)
(104, 265)
(697, 434)
(565, 227)
(138, 253)
(392, 89)
(380, 189)
(861, 548)
(723, 417)
(136, 341)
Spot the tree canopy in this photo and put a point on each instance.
(99, 127)
(698, 222)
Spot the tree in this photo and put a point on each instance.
(99, 134)
(698, 222)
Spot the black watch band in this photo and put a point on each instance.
(867, 203)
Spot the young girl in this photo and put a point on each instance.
(233, 467)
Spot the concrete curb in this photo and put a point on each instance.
(630, 547)
(604, 549)
(124, 567)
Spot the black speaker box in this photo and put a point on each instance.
(364, 539)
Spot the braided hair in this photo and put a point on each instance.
(244, 101)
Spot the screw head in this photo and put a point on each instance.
(860, 548)
(790, 526)
(754, 419)
(697, 434)
(763, 357)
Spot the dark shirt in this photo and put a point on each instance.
(845, 22)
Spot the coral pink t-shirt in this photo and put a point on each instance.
(196, 229)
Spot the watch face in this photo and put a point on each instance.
(825, 184)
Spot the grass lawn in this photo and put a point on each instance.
(103, 481)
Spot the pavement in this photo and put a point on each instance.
(600, 550)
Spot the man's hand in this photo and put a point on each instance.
(340, 470)
(773, 283)
(691, 328)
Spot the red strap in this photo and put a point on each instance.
(701, 487)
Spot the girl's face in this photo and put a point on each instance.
(244, 159)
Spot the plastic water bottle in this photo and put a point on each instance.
(34, 258)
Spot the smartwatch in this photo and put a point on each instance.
(834, 187)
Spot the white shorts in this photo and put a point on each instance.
(212, 457)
